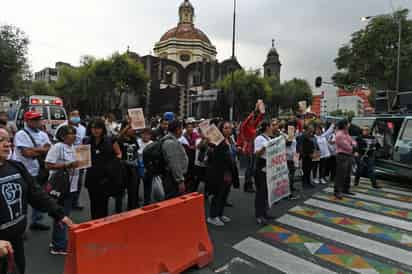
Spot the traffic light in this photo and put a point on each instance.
(318, 82)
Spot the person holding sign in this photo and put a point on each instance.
(222, 173)
(261, 196)
(63, 156)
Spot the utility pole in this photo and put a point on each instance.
(232, 92)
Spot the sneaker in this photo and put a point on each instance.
(323, 181)
(316, 181)
(55, 251)
(261, 221)
(215, 221)
(225, 219)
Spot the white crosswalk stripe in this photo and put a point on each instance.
(361, 214)
(364, 244)
(390, 190)
(286, 254)
(378, 200)
(278, 259)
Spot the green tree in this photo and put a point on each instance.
(294, 91)
(96, 86)
(371, 55)
(13, 62)
(248, 87)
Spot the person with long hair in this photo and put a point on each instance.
(100, 176)
(344, 147)
(222, 173)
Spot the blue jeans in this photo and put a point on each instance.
(59, 234)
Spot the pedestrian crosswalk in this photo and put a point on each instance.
(367, 233)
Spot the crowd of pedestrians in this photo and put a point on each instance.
(177, 154)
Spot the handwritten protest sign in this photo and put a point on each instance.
(277, 173)
(84, 156)
(137, 118)
(214, 135)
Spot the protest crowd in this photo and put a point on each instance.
(166, 159)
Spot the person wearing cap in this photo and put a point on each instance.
(31, 147)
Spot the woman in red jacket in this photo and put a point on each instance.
(245, 144)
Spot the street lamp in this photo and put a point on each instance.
(399, 22)
(232, 92)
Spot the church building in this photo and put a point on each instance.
(184, 68)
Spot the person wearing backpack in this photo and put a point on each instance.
(104, 177)
(20, 190)
(31, 147)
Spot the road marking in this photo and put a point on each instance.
(277, 258)
(359, 204)
(379, 232)
(361, 214)
(384, 189)
(309, 246)
(378, 200)
(377, 248)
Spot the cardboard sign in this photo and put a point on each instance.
(137, 118)
(84, 156)
(291, 133)
(277, 172)
(214, 135)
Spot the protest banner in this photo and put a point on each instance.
(137, 118)
(277, 173)
(84, 156)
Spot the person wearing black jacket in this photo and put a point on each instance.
(366, 148)
(104, 177)
(18, 191)
(161, 131)
(306, 148)
(222, 173)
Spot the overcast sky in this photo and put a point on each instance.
(308, 33)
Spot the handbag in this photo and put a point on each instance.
(59, 182)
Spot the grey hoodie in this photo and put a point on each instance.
(175, 156)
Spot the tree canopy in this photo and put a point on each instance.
(13, 62)
(370, 57)
(249, 87)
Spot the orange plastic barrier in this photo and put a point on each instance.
(168, 237)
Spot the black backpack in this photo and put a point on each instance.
(153, 158)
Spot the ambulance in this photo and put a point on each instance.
(50, 107)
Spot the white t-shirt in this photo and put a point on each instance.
(142, 146)
(260, 142)
(80, 133)
(61, 153)
(21, 141)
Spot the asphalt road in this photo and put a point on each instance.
(301, 238)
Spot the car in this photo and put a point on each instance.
(394, 134)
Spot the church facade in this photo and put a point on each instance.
(184, 69)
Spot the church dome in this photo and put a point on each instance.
(185, 32)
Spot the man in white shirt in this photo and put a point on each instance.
(75, 121)
(32, 144)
